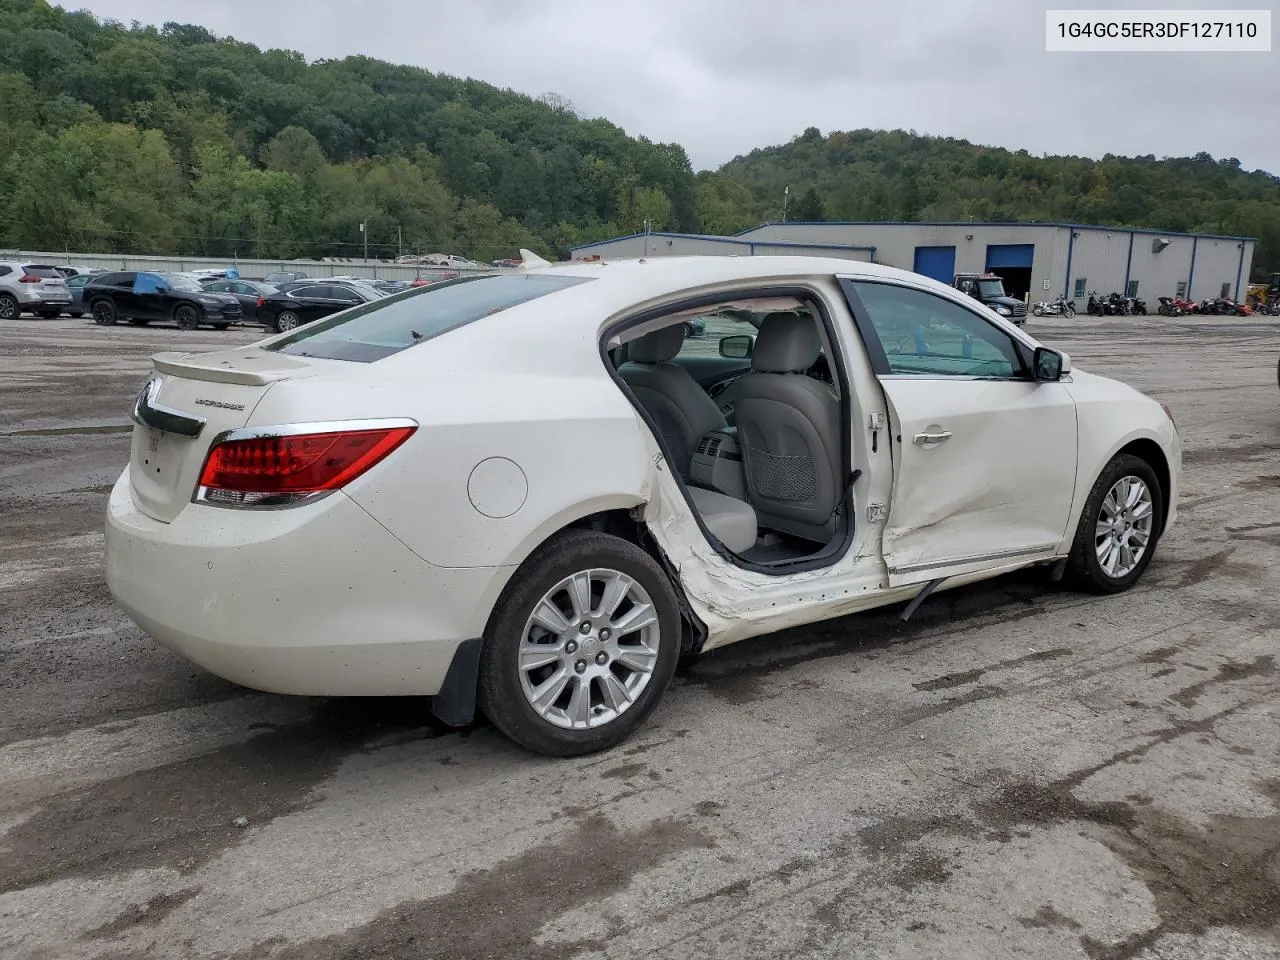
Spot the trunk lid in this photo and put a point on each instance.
(188, 402)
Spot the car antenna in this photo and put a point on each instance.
(529, 260)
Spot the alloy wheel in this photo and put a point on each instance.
(589, 649)
(287, 321)
(1124, 526)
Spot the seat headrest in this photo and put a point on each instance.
(657, 347)
(787, 343)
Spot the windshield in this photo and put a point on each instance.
(179, 282)
(390, 324)
(991, 288)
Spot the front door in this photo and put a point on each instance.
(984, 456)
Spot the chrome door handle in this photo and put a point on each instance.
(924, 439)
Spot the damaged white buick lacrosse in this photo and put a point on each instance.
(530, 492)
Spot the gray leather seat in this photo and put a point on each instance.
(681, 409)
(732, 521)
(789, 431)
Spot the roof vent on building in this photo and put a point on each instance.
(1158, 244)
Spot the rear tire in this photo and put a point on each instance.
(621, 584)
(1037, 310)
(186, 316)
(286, 320)
(103, 313)
(1098, 561)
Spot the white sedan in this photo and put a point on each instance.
(529, 493)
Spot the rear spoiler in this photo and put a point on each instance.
(192, 367)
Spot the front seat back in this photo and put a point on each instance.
(681, 409)
(789, 431)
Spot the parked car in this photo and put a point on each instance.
(249, 293)
(427, 277)
(31, 288)
(283, 276)
(141, 297)
(365, 286)
(75, 286)
(75, 271)
(304, 302)
(540, 511)
(508, 262)
(392, 286)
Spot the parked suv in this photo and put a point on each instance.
(141, 297)
(33, 288)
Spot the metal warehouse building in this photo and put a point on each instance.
(1036, 260)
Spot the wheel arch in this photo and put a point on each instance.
(455, 704)
(1149, 451)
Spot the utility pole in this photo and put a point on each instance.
(786, 193)
(399, 242)
(364, 229)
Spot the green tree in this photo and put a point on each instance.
(810, 207)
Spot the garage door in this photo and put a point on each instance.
(936, 262)
(1010, 254)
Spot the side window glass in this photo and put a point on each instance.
(5, 271)
(925, 335)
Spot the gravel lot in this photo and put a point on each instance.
(1020, 771)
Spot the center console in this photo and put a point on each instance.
(717, 464)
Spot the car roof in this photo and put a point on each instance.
(636, 280)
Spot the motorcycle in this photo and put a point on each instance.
(1053, 308)
(1169, 308)
(1185, 305)
(1116, 305)
(1136, 306)
(1207, 307)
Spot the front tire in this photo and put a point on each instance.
(1119, 527)
(9, 307)
(1069, 312)
(581, 645)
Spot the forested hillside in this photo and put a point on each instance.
(878, 175)
(172, 140)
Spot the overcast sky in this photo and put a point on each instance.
(724, 76)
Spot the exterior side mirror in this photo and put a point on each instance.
(738, 347)
(1049, 364)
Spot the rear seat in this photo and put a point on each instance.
(732, 521)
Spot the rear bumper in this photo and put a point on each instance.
(45, 300)
(319, 600)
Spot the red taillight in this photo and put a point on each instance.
(283, 469)
(262, 302)
(28, 278)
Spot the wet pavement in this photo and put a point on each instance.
(1019, 771)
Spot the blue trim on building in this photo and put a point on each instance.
(1128, 267)
(984, 223)
(1191, 276)
(716, 239)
